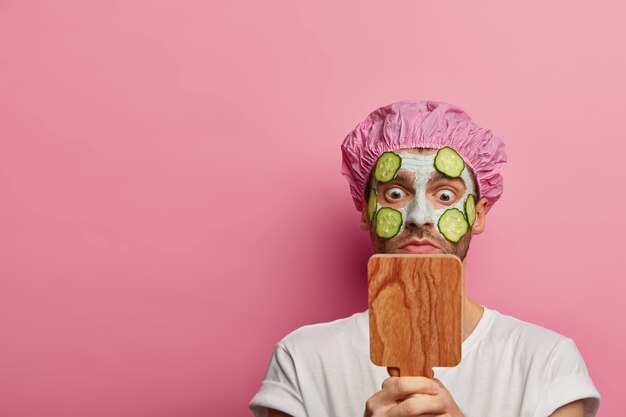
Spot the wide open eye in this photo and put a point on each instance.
(395, 193)
(445, 196)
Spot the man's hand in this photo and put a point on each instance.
(404, 396)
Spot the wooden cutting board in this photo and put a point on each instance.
(415, 311)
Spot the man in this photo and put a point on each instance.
(424, 175)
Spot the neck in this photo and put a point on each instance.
(472, 311)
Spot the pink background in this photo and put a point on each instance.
(172, 203)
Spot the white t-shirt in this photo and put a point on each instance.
(508, 368)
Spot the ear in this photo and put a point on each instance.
(479, 223)
(365, 221)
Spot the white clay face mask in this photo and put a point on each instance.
(452, 221)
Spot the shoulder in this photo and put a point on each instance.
(552, 355)
(542, 358)
(529, 340)
(347, 332)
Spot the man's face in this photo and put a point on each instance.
(419, 195)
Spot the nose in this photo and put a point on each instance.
(419, 213)
(418, 221)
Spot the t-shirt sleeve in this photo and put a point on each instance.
(280, 389)
(567, 380)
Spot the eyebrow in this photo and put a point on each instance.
(438, 176)
(403, 179)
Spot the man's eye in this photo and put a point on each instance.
(445, 195)
(395, 193)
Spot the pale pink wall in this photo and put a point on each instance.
(172, 203)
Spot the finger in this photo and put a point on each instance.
(375, 405)
(418, 405)
(397, 388)
(393, 371)
(440, 386)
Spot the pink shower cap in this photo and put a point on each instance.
(425, 124)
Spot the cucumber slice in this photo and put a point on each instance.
(452, 224)
(449, 162)
(371, 204)
(387, 166)
(388, 222)
(470, 210)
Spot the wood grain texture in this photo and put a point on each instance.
(415, 311)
